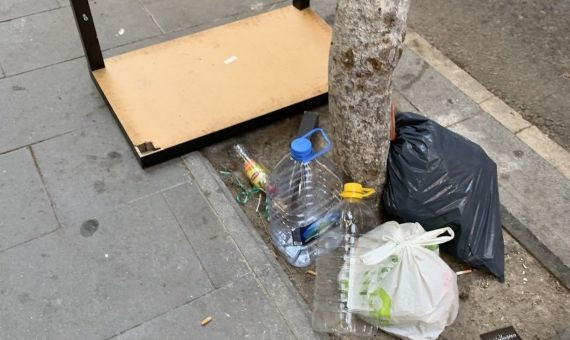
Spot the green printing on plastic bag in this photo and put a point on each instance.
(380, 297)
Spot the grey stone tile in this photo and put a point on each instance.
(240, 310)
(51, 37)
(122, 22)
(38, 40)
(25, 211)
(213, 244)
(326, 9)
(430, 92)
(44, 103)
(10, 9)
(402, 104)
(525, 179)
(173, 15)
(68, 285)
(91, 171)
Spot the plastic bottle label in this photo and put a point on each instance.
(306, 234)
(256, 174)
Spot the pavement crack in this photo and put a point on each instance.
(44, 185)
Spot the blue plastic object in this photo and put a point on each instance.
(302, 148)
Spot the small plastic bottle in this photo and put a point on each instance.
(254, 171)
(304, 186)
(330, 311)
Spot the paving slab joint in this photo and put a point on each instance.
(44, 186)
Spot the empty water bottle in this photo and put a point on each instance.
(305, 185)
(330, 310)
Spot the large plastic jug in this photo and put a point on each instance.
(330, 309)
(304, 186)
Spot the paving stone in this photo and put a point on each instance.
(91, 171)
(213, 244)
(27, 43)
(326, 9)
(135, 265)
(38, 40)
(10, 9)
(517, 163)
(240, 310)
(122, 22)
(173, 15)
(402, 104)
(423, 87)
(26, 212)
(48, 102)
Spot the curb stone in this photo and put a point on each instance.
(260, 258)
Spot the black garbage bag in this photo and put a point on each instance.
(439, 178)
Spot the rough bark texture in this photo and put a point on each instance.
(366, 47)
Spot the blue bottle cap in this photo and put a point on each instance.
(301, 149)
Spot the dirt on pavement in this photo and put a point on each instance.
(530, 299)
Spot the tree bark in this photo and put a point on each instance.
(367, 44)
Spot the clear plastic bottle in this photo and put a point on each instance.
(304, 186)
(330, 311)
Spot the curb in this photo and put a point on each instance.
(267, 271)
(529, 134)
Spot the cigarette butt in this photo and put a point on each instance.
(464, 272)
(206, 321)
(312, 272)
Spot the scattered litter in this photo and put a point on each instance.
(227, 315)
(106, 255)
(206, 321)
(523, 272)
(256, 6)
(524, 266)
(302, 188)
(311, 272)
(120, 32)
(391, 266)
(230, 60)
(258, 204)
(336, 244)
(464, 272)
(256, 172)
(504, 333)
(441, 179)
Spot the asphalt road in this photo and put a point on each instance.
(518, 49)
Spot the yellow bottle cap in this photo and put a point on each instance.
(355, 190)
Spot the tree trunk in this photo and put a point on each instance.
(366, 47)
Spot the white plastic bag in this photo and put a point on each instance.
(398, 283)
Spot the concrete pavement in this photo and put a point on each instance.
(94, 247)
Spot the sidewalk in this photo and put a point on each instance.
(94, 247)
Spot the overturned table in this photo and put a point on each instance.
(174, 97)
